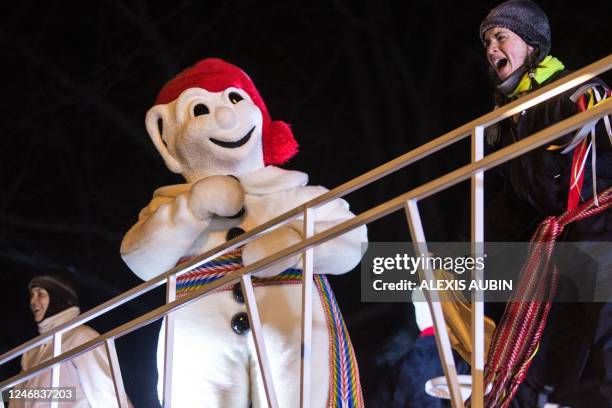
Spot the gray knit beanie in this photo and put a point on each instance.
(524, 18)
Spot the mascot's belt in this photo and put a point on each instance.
(344, 385)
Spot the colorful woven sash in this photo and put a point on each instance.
(344, 385)
(517, 337)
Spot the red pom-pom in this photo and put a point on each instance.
(279, 145)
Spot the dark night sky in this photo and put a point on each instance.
(361, 83)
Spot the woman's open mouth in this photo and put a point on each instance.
(237, 143)
(501, 63)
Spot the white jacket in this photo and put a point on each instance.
(89, 373)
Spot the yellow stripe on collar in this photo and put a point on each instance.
(545, 70)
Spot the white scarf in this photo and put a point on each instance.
(58, 318)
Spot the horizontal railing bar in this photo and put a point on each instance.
(506, 111)
(152, 284)
(540, 138)
(494, 159)
(398, 163)
(546, 92)
(122, 330)
(82, 318)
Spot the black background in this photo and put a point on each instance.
(360, 83)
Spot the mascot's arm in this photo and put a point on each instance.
(168, 227)
(337, 256)
(342, 253)
(165, 230)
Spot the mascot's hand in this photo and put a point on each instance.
(268, 244)
(216, 195)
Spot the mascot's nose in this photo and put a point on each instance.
(226, 118)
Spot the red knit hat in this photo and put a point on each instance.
(216, 75)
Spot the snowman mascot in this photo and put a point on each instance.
(211, 125)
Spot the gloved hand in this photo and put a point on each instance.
(216, 195)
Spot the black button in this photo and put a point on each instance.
(237, 292)
(233, 233)
(240, 323)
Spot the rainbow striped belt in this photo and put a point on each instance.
(344, 385)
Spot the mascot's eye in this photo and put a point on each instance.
(235, 97)
(200, 109)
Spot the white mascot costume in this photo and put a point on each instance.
(211, 125)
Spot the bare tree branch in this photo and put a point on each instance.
(103, 107)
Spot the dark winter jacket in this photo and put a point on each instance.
(536, 184)
(575, 355)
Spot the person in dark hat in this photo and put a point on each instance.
(572, 364)
(51, 294)
(54, 301)
(517, 37)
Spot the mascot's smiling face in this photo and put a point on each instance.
(204, 133)
(211, 120)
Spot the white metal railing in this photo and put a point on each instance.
(408, 201)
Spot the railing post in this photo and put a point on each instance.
(55, 371)
(258, 338)
(169, 343)
(111, 352)
(307, 279)
(441, 333)
(477, 239)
